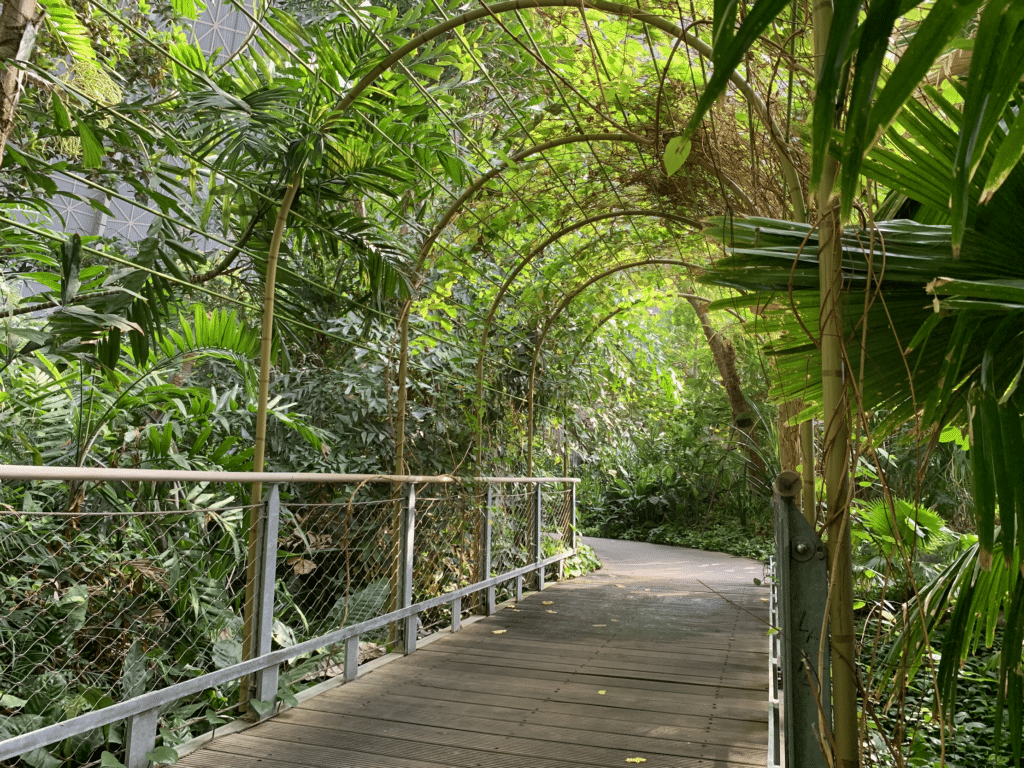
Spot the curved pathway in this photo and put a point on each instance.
(658, 658)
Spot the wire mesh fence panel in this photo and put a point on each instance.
(113, 590)
(512, 515)
(556, 518)
(101, 604)
(337, 564)
(556, 523)
(447, 552)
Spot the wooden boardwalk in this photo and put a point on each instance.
(659, 658)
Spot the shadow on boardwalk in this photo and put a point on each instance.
(660, 655)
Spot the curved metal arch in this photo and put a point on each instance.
(497, 170)
(522, 265)
(618, 9)
(569, 298)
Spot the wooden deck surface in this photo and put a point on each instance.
(661, 655)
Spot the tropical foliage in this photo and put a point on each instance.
(468, 235)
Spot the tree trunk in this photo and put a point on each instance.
(725, 358)
(17, 39)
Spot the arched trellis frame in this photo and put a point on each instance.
(510, 6)
(517, 270)
(549, 322)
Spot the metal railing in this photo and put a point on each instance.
(122, 612)
(774, 672)
(799, 687)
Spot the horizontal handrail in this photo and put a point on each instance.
(132, 475)
(19, 745)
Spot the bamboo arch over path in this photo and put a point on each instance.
(492, 11)
(569, 298)
(524, 262)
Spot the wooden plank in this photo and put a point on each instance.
(545, 726)
(677, 675)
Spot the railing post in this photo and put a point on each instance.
(490, 595)
(408, 539)
(538, 549)
(774, 670)
(140, 738)
(351, 669)
(575, 533)
(456, 614)
(266, 576)
(801, 567)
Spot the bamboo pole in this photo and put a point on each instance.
(836, 454)
(260, 442)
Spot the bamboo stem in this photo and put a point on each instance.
(260, 441)
(836, 454)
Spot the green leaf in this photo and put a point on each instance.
(871, 55)
(134, 672)
(165, 755)
(727, 56)
(107, 760)
(932, 37)
(996, 67)
(262, 708)
(676, 152)
(61, 118)
(10, 701)
(226, 653)
(185, 8)
(428, 70)
(41, 758)
(1007, 158)
(92, 148)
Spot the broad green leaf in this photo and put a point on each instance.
(92, 149)
(226, 653)
(676, 152)
(262, 708)
(10, 701)
(135, 672)
(107, 760)
(61, 118)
